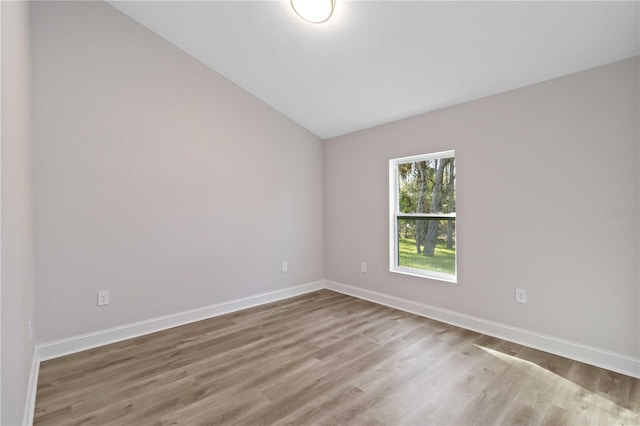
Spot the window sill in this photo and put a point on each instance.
(422, 274)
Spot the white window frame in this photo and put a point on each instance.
(394, 212)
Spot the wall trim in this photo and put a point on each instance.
(613, 361)
(83, 342)
(32, 387)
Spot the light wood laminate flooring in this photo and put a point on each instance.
(327, 358)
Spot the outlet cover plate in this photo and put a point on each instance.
(521, 295)
(103, 297)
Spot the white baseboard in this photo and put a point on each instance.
(590, 355)
(32, 387)
(595, 356)
(83, 342)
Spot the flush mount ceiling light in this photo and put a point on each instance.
(314, 11)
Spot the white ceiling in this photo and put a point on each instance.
(376, 62)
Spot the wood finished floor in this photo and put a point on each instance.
(327, 358)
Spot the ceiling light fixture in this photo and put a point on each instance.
(314, 11)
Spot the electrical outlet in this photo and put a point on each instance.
(521, 295)
(363, 267)
(30, 326)
(103, 297)
(285, 267)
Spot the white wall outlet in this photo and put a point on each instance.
(363, 267)
(30, 326)
(521, 295)
(285, 267)
(103, 297)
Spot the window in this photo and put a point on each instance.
(422, 200)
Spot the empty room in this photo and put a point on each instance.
(246, 212)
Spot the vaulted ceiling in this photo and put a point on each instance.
(378, 61)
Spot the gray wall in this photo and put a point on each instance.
(161, 181)
(17, 278)
(158, 179)
(537, 169)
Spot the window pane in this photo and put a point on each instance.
(427, 186)
(428, 244)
